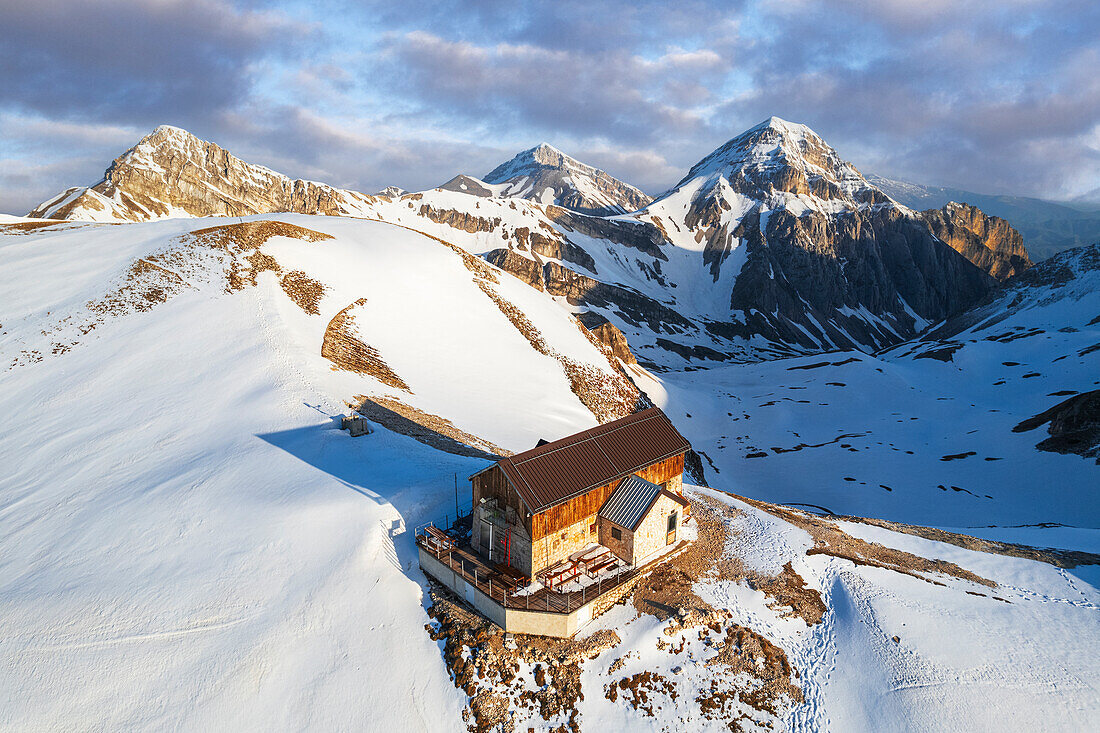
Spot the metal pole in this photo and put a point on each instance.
(456, 497)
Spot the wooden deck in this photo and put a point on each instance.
(497, 585)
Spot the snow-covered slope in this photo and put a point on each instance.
(187, 540)
(923, 432)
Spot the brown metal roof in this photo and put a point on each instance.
(556, 472)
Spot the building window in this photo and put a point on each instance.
(592, 528)
(672, 522)
(616, 534)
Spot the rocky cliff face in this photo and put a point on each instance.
(988, 241)
(170, 172)
(857, 279)
(824, 259)
(547, 175)
(770, 245)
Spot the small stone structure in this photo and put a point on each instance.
(356, 425)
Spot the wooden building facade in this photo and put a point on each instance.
(536, 508)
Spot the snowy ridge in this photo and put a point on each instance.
(187, 538)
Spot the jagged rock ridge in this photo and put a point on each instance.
(988, 241)
(170, 172)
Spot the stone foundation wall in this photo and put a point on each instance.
(521, 621)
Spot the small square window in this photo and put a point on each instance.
(616, 534)
(592, 528)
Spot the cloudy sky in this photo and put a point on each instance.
(995, 97)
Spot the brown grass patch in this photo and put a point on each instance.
(194, 258)
(304, 291)
(343, 348)
(27, 227)
(831, 540)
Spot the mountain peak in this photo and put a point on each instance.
(164, 130)
(778, 158)
(171, 172)
(543, 155)
(785, 127)
(545, 148)
(545, 174)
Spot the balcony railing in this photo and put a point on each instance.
(501, 588)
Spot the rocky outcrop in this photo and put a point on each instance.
(580, 290)
(630, 305)
(988, 241)
(1074, 426)
(522, 267)
(463, 220)
(640, 235)
(547, 175)
(611, 337)
(172, 173)
(557, 248)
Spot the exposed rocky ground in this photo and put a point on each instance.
(988, 241)
(171, 173)
(1073, 425)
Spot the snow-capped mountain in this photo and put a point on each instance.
(773, 244)
(172, 173)
(821, 258)
(549, 176)
(779, 162)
